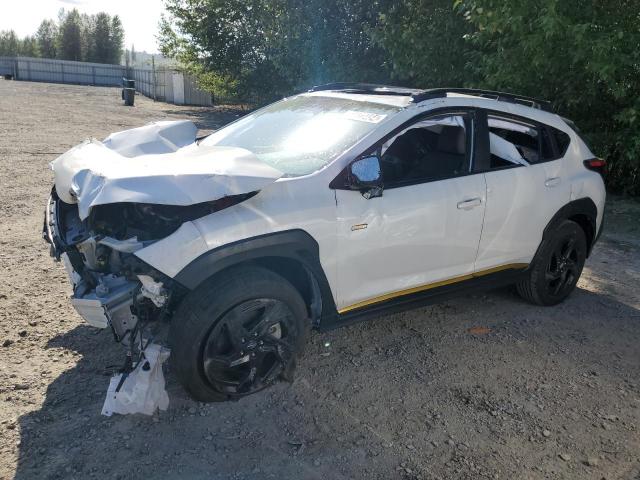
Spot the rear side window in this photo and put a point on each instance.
(515, 142)
(512, 143)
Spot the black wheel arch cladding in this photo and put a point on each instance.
(583, 212)
(293, 254)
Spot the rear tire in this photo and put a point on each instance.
(237, 333)
(556, 268)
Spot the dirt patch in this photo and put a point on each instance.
(484, 386)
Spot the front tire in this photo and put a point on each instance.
(237, 334)
(556, 269)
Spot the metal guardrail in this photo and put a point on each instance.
(160, 84)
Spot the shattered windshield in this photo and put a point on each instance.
(302, 134)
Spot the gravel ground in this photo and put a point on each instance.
(480, 387)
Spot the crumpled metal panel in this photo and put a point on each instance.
(158, 163)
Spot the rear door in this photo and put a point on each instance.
(526, 186)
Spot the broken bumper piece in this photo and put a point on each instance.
(108, 304)
(143, 389)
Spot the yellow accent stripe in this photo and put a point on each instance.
(429, 286)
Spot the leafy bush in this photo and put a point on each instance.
(583, 55)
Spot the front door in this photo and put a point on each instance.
(425, 229)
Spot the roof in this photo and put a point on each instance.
(419, 95)
(399, 101)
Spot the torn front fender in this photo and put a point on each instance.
(159, 164)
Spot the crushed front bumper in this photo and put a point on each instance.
(107, 304)
(111, 287)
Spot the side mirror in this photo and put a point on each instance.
(365, 176)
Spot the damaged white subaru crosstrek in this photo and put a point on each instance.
(327, 207)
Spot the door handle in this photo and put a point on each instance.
(469, 204)
(552, 182)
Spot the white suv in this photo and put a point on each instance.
(338, 204)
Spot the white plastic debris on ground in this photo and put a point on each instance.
(143, 391)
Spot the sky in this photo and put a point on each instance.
(139, 17)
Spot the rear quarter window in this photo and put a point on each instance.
(555, 143)
(562, 141)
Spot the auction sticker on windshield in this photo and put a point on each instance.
(364, 116)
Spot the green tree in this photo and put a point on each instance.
(100, 43)
(46, 37)
(87, 36)
(28, 47)
(70, 37)
(260, 49)
(9, 44)
(116, 36)
(425, 43)
(583, 55)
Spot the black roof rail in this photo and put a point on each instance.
(476, 92)
(366, 88)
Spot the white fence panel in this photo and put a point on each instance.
(158, 84)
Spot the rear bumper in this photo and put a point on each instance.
(597, 236)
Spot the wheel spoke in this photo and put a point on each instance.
(273, 314)
(220, 363)
(551, 276)
(570, 278)
(568, 248)
(248, 381)
(236, 332)
(279, 347)
(557, 253)
(216, 363)
(572, 266)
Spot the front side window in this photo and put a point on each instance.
(302, 134)
(431, 149)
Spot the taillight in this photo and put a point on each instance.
(597, 165)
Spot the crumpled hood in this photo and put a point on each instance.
(158, 163)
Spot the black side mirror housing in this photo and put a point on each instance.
(365, 176)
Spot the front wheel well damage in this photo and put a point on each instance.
(292, 254)
(292, 270)
(300, 277)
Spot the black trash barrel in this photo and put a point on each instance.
(128, 91)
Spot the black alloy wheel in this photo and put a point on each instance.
(249, 347)
(563, 268)
(238, 333)
(556, 268)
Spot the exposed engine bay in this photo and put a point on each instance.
(111, 286)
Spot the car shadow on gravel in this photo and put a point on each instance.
(68, 438)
